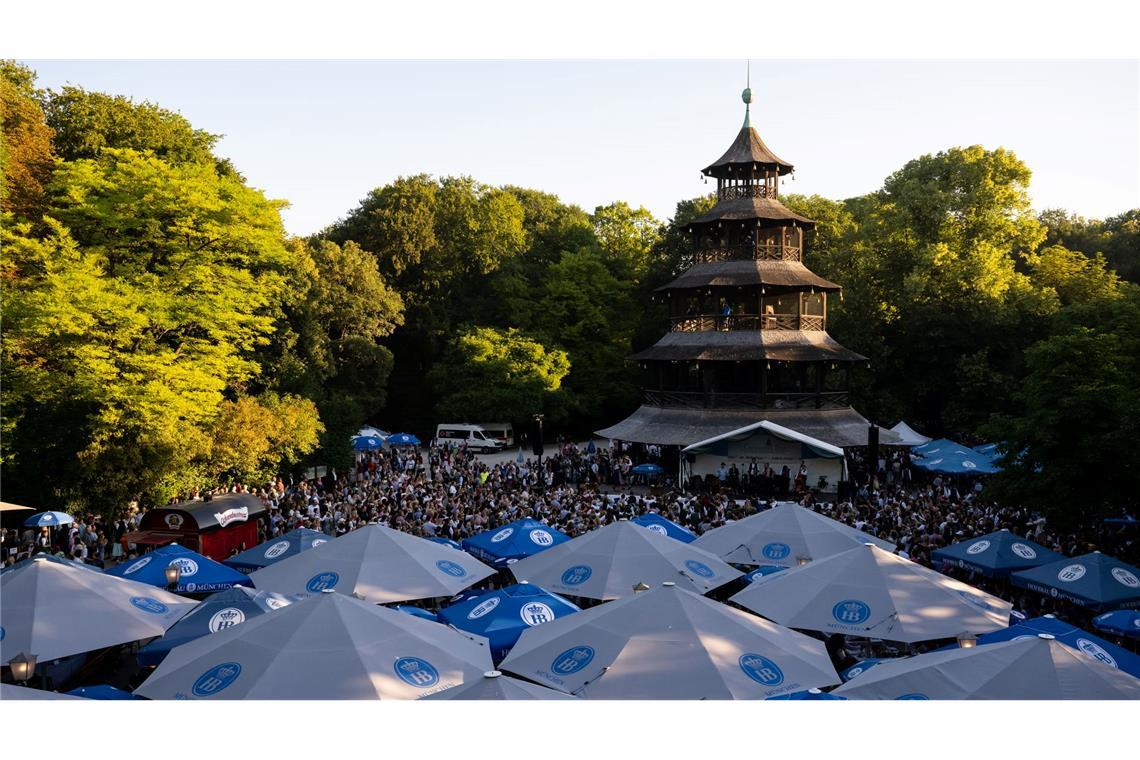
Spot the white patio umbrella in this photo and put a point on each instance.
(329, 646)
(608, 562)
(866, 591)
(786, 535)
(54, 609)
(1031, 668)
(378, 563)
(669, 643)
(9, 691)
(496, 686)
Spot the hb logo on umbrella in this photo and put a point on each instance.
(216, 678)
(851, 612)
(416, 672)
(536, 613)
(572, 660)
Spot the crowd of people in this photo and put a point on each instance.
(442, 492)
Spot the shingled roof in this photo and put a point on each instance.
(748, 209)
(752, 272)
(748, 345)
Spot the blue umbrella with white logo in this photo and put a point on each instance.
(101, 691)
(862, 667)
(1092, 580)
(199, 573)
(763, 570)
(446, 542)
(417, 612)
(403, 439)
(378, 563)
(503, 615)
(648, 469)
(1069, 635)
(515, 540)
(996, 554)
(664, 526)
(53, 610)
(215, 613)
(810, 694)
(48, 520)
(1119, 623)
(328, 646)
(367, 443)
(277, 549)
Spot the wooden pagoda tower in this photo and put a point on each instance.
(748, 321)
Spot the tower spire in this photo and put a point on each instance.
(746, 96)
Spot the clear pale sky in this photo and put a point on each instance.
(322, 134)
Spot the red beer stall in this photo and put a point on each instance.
(214, 528)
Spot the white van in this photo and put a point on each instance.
(500, 431)
(452, 434)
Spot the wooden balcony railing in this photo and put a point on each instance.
(715, 322)
(747, 252)
(747, 401)
(746, 191)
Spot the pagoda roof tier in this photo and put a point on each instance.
(792, 274)
(748, 345)
(746, 155)
(682, 427)
(751, 209)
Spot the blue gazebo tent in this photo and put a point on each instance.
(200, 574)
(276, 549)
(664, 526)
(217, 612)
(504, 614)
(513, 541)
(1092, 580)
(996, 554)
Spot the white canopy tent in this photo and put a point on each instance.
(909, 436)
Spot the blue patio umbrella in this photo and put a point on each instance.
(403, 439)
(996, 554)
(418, 612)
(648, 469)
(102, 691)
(1119, 623)
(1069, 635)
(276, 549)
(367, 443)
(1092, 580)
(217, 612)
(946, 456)
(503, 615)
(200, 574)
(664, 526)
(763, 570)
(513, 541)
(810, 694)
(48, 520)
(446, 542)
(862, 667)
(591, 448)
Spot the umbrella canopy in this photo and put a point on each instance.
(102, 691)
(763, 570)
(367, 443)
(909, 436)
(648, 469)
(1090, 580)
(1120, 623)
(869, 592)
(863, 666)
(515, 540)
(52, 610)
(10, 691)
(996, 554)
(216, 613)
(371, 431)
(52, 558)
(1034, 668)
(417, 612)
(608, 562)
(446, 542)
(403, 439)
(668, 643)
(495, 686)
(946, 456)
(277, 549)
(380, 564)
(810, 694)
(200, 574)
(503, 615)
(1069, 635)
(665, 527)
(48, 519)
(782, 536)
(329, 646)
(6, 507)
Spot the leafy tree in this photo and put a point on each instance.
(497, 374)
(25, 144)
(627, 235)
(252, 437)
